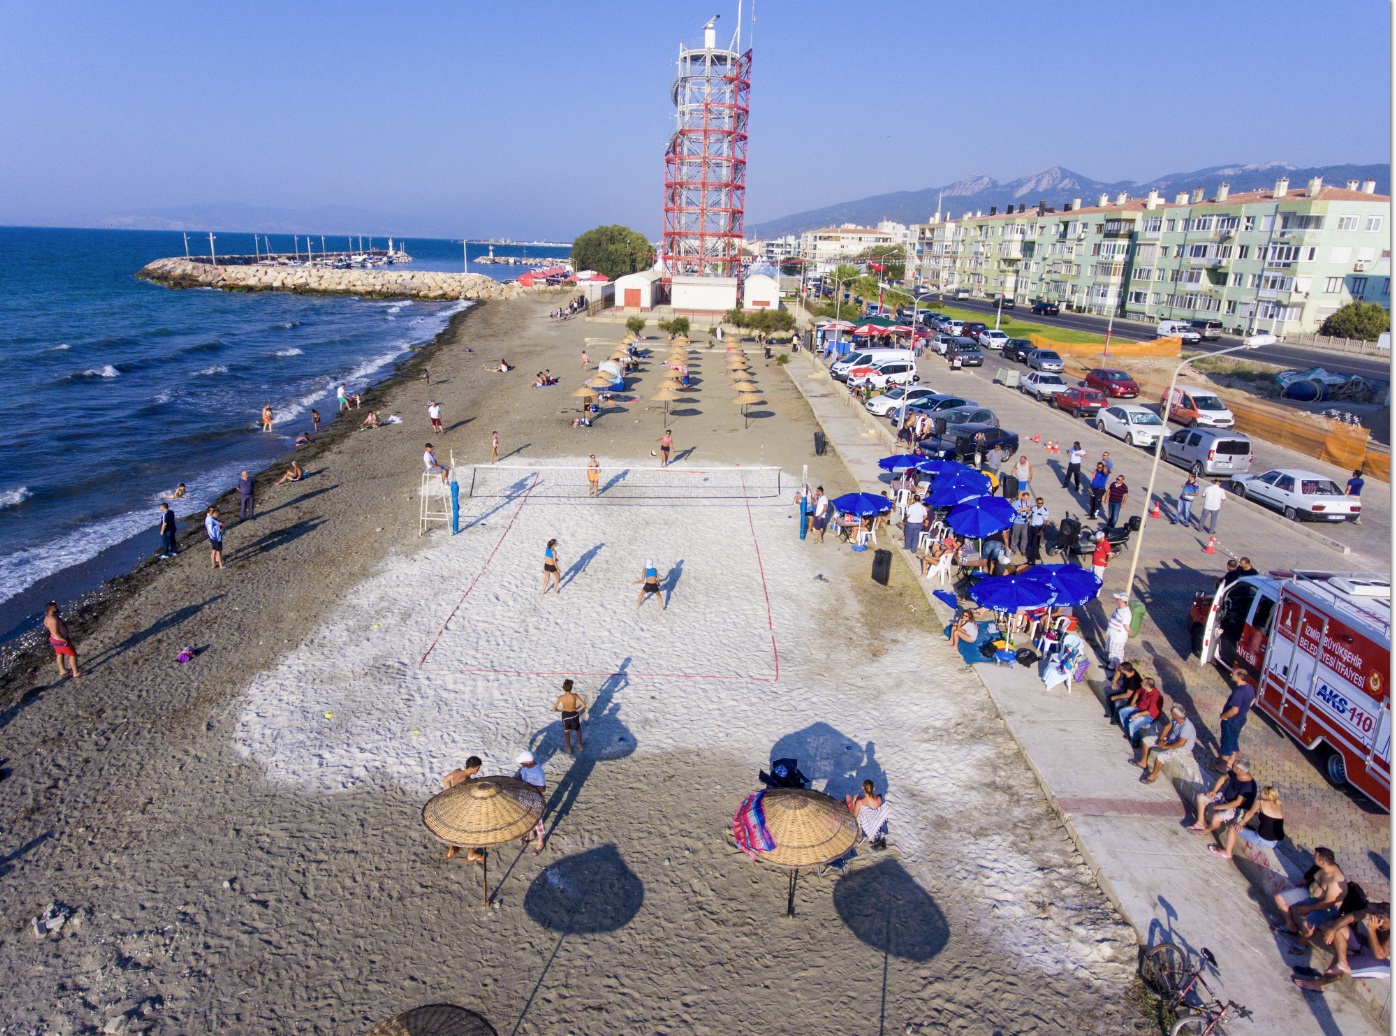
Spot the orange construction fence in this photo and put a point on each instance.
(1119, 349)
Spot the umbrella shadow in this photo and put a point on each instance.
(671, 580)
(585, 893)
(830, 756)
(886, 909)
(580, 565)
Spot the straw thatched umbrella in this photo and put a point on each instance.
(810, 829)
(666, 396)
(745, 386)
(484, 812)
(585, 392)
(743, 399)
(599, 383)
(434, 1020)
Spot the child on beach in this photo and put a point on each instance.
(494, 447)
(371, 421)
(552, 568)
(214, 528)
(62, 642)
(471, 768)
(315, 420)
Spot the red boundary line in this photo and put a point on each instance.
(761, 570)
(499, 543)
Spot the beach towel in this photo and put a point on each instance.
(946, 598)
(873, 820)
(749, 827)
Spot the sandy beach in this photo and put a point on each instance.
(239, 838)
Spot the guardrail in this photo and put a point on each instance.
(1353, 346)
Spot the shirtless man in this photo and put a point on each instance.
(586, 361)
(571, 706)
(472, 767)
(293, 474)
(1304, 908)
(60, 639)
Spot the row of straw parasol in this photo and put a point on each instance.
(740, 372)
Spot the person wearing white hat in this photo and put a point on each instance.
(1117, 632)
(649, 584)
(531, 773)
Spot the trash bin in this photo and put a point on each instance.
(768, 352)
(882, 566)
(820, 443)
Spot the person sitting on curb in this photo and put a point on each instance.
(1173, 744)
(1348, 933)
(1234, 792)
(1269, 834)
(1316, 902)
(1125, 686)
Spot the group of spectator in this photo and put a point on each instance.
(575, 305)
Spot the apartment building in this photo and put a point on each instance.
(1276, 260)
(830, 244)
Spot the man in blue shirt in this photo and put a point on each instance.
(1037, 521)
(1233, 717)
(1355, 485)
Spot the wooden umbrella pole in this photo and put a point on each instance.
(790, 904)
(485, 879)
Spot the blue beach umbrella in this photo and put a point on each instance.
(1012, 593)
(901, 460)
(981, 516)
(862, 505)
(1074, 586)
(936, 466)
(956, 489)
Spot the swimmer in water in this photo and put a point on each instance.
(266, 418)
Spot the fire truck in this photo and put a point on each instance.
(1318, 647)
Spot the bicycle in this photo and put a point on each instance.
(1167, 973)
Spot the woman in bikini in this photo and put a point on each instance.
(552, 568)
(266, 418)
(593, 476)
(649, 584)
(666, 442)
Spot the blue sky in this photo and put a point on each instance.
(544, 118)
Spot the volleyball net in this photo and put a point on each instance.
(567, 482)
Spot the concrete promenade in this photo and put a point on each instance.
(1159, 876)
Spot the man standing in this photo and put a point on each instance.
(1212, 499)
(821, 511)
(1074, 457)
(1022, 471)
(1355, 485)
(1186, 496)
(1022, 513)
(1233, 717)
(531, 773)
(912, 522)
(1243, 568)
(1109, 464)
(246, 504)
(168, 549)
(571, 706)
(214, 528)
(434, 412)
(1100, 557)
(1117, 497)
(1117, 632)
(60, 639)
(1037, 521)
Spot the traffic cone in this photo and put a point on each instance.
(1056, 446)
(1211, 547)
(1156, 513)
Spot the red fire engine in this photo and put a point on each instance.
(1318, 646)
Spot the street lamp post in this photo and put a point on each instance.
(1254, 342)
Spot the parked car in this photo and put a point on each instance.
(964, 441)
(962, 293)
(1045, 360)
(1017, 349)
(887, 375)
(971, 413)
(966, 351)
(935, 403)
(1135, 424)
(861, 361)
(1179, 329)
(1198, 407)
(974, 328)
(991, 339)
(954, 327)
(940, 343)
(1299, 494)
(1210, 330)
(1044, 308)
(896, 397)
(1114, 383)
(1208, 451)
(1041, 384)
(1080, 402)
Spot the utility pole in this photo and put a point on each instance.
(296, 246)
(213, 258)
(465, 254)
(186, 244)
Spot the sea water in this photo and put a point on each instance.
(114, 390)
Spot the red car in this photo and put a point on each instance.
(1115, 384)
(1080, 402)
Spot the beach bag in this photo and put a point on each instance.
(987, 649)
(1354, 900)
(1136, 617)
(1026, 657)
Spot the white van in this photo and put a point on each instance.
(875, 358)
(862, 358)
(1179, 329)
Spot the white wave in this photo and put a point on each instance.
(25, 567)
(210, 370)
(56, 348)
(15, 497)
(288, 352)
(104, 371)
(162, 397)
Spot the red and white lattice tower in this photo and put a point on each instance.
(705, 164)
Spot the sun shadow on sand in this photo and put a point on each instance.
(886, 909)
(168, 621)
(276, 538)
(585, 893)
(826, 755)
(671, 580)
(580, 565)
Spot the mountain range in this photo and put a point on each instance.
(1056, 186)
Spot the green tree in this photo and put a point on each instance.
(612, 250)
(635, 325)
(1364, 320)
(893, 259)
(674, 328)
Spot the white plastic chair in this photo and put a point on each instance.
(923, 542)
(941, 569)
(903, 500)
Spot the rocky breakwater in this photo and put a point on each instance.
(316, 280)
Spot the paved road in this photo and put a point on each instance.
(1296, 356)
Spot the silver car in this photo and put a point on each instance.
(1209, 451)
(1045, 360)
